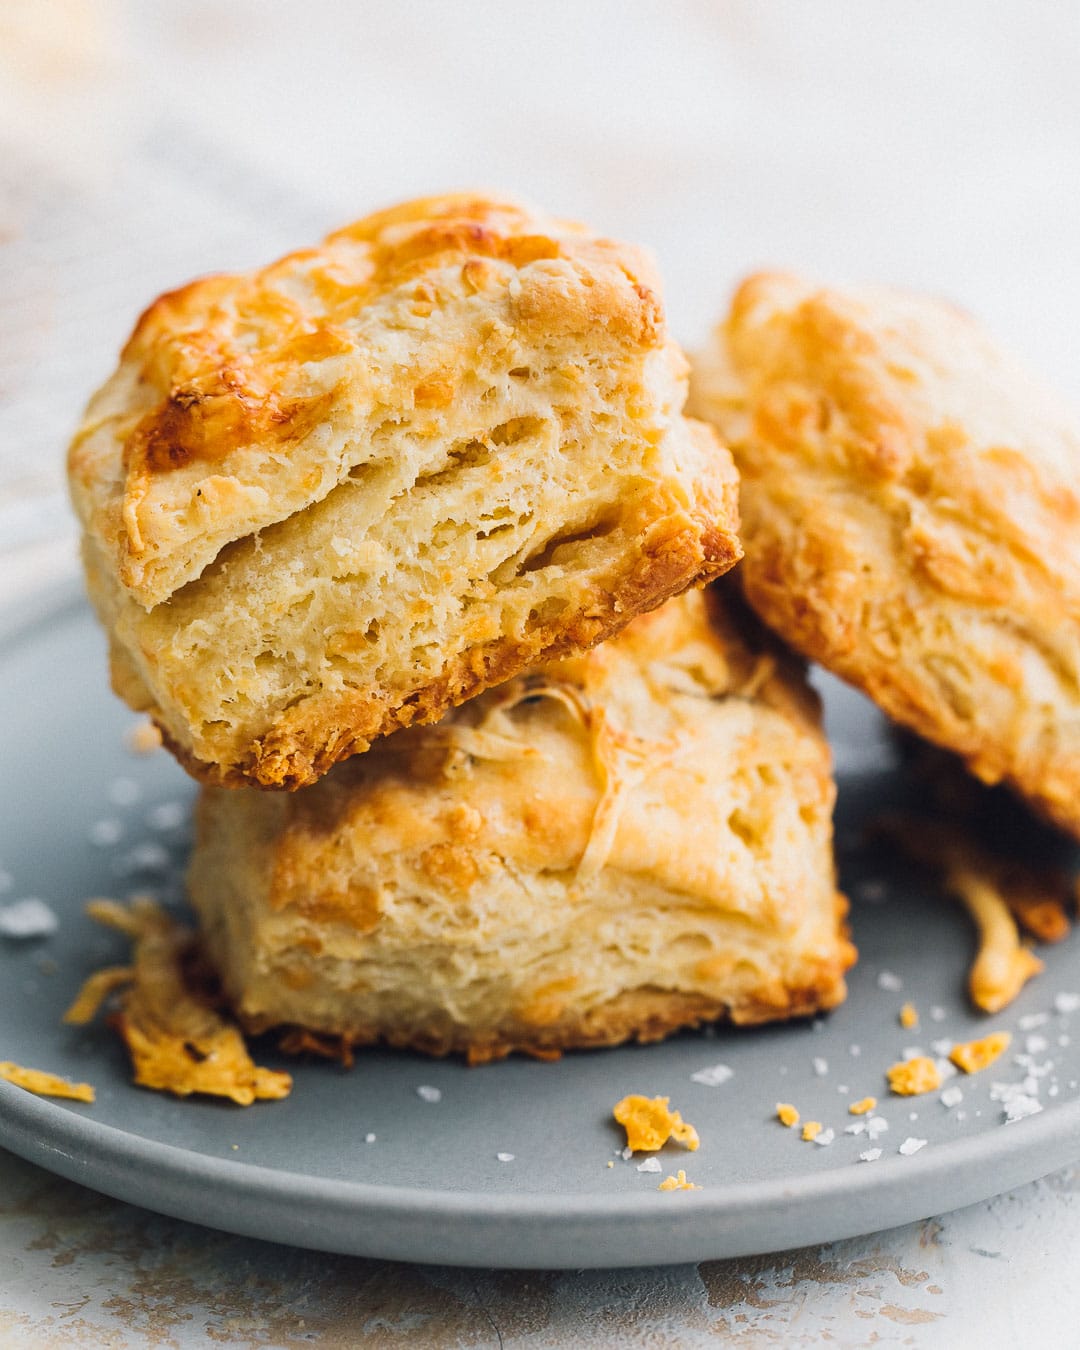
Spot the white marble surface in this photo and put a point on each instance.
(932, 145)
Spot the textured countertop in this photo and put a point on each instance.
(142, 144)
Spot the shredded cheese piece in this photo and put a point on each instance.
(787, 1115)
(971, 1056)
(44, 1084)
(863, 1107)
(649, 1124)
(677, 1183)
(811, 1130)
(912, 1077)
(909, 1017)
(1003, 966)
(178, 1042)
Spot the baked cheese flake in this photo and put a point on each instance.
(677, 1183)
(971, 1056)
(913, 1077)
(811, 1130)
(863, 1107)
(179, 1042)
(909, 1017)
(649, 1124)
(44, 1084)
(787, 1115)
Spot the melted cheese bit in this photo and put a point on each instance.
(811, 1130)
(178, 1043)
(912, 1077)
(909, 1017)
(1003, 965)
(45, 1084)
(677, 1183)
(649, 1124)
(971, 1056)
(787, 1114)
(863, 1107)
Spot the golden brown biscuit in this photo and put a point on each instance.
(911, 518)
(610, 847)
(344, 492)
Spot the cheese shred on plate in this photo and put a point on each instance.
(45, 1084)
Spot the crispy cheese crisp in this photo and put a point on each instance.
(178, 1042)
(971, 1056)
(909, 1017)
(787, 1114)
(44, 1084)
(649, 1124)
(912, 1077)
(677, 1183)
(811, 1130)
(863, 1107)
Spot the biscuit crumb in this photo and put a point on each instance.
(909, 1017)
(649, 1124)
(811, 1130)
(178, 1041)
(863, 1107)
(787, 1114)
(44, 1084)
(971, 1056)
(677, 1183)
(912, 1077)
(143, 738)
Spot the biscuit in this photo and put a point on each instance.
(344, 492)
(607, 848)
(911, 518)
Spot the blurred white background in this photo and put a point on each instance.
(933, 145)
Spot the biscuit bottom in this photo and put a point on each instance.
(609, 848)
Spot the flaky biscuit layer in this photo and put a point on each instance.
(911, 518)
(339, 494)
(610, 847)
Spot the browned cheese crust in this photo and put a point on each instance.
(345, 492)
(911, 518)
(607, 848)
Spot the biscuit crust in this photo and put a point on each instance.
(334, 496)
(911, 518)
(608, 848)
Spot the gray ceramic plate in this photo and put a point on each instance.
(84, 816)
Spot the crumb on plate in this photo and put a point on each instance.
(44, 1084)
(863, 1107)
(971, 1056)
(787, 1114)
(811, 1130)
(649, 1123)
(912, 1077)
(909, 1017)
(677, 1183)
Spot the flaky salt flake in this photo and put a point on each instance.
(876, 1125)
(911, 1145)
(649, 1165)
(854, 1051)
(507, 1157)
(1030, 1021)
(27, 918)
(892, 984)
(1066, 1003)
(856, 1127)
(912, 1052)
(166, 816)
(870, 1155)
(825, 1138)
(942, 1046)
(951, 1097)
(429, 1094)
(820, 1066)
(714, 1076)
(626, 1153)
(937, 1014)
(105, 833)
(1035, 1045)
(369, 1138)
(1018, 1108)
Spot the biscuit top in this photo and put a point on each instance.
(908, 394)
(241, 399)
